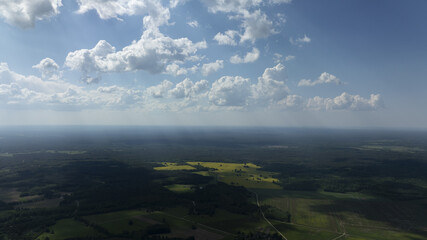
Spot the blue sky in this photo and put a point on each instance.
(298, 63)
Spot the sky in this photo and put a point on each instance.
(291, 63)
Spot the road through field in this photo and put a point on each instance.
(262, 213)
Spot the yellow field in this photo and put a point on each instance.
(239, 174)
(167, 166)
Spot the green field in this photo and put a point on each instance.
(69, 228)
(329, 214)
(180, 188)
(304, 232)
(118, 222)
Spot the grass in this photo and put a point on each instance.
(180, 188)
(392, 148)
(230, 222)
(301, 211)
(240, 174)
(304, 233)
(118, 222)
(69, 228)
(168, 166)
(364, 233)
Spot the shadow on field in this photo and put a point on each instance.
(404, 215)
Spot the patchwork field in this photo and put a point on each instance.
(69, 228)
(134, 222)
(247, 175)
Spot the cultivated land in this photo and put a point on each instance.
(125, 183)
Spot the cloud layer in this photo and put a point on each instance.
(226, 93)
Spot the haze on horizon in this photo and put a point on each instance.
(286, 63)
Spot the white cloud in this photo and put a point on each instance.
(24, 13)
(227, 38)
(152, 53)
(157, 14)
(277, 57)
(160, 90)
(193, 24)
(289, 58)
(231, 5)
(175, 3)
(291, 102)
(324, 78)
(237, 5)
(271, 86)
(280, 1)
(300, 41)
(230, 91)
(256, 25)
(346, 102)
(20, 90)
(212, 67)
(175, 70)
(187, 88)
(49, 69)
(249, 57)
(227, 93)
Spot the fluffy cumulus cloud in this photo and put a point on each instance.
(176, 70)
(227, 92)
(249, 57)
(48, 68)
(291, 102)
(230, 91)
(256, 25)
(227, 38)
(160, 90)
(324, 78)
(152, 53)
(157, 14)
(271, 86)
(24, 13)
(212, 67)
(346, 101)
(188, 89)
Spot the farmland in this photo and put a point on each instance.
(143, 185)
